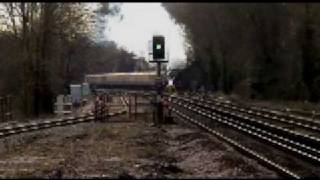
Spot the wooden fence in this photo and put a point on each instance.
(6, 108)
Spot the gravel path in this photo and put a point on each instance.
(123, 149)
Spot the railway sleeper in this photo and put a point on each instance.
(251, 153)
(284, 145)
(302, 138)
(263, 112)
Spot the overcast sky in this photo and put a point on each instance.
(140, 22)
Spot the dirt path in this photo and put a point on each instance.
(124, 149)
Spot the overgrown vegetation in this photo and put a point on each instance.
(47, 46)
(259, 50)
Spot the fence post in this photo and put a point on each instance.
(96, 108)
(129, 104)
(5, 107)
(1, 109)
(135, 106)
(107, 107)
(104, 114)
(168, 106)
(9, 111)
(100, 108)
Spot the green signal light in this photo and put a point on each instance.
(158, 46)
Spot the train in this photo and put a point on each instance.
(124, 80)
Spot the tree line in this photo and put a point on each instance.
(47, 46)
(257, 50)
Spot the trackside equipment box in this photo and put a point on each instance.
(85, 89)
(75, 92)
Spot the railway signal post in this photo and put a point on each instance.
(158, 54)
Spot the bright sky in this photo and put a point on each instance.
(140, 22)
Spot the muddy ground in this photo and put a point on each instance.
(123, 149)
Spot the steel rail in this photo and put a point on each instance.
(280, 141)
(250, 152)
(299, 121)
(22, 128)
(302, 138)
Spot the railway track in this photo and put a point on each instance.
(298, 143)
(301, 121)
(244, 149)
(22, 128)
(289, 119)
(306, 141)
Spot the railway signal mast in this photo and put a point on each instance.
(158, 54)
